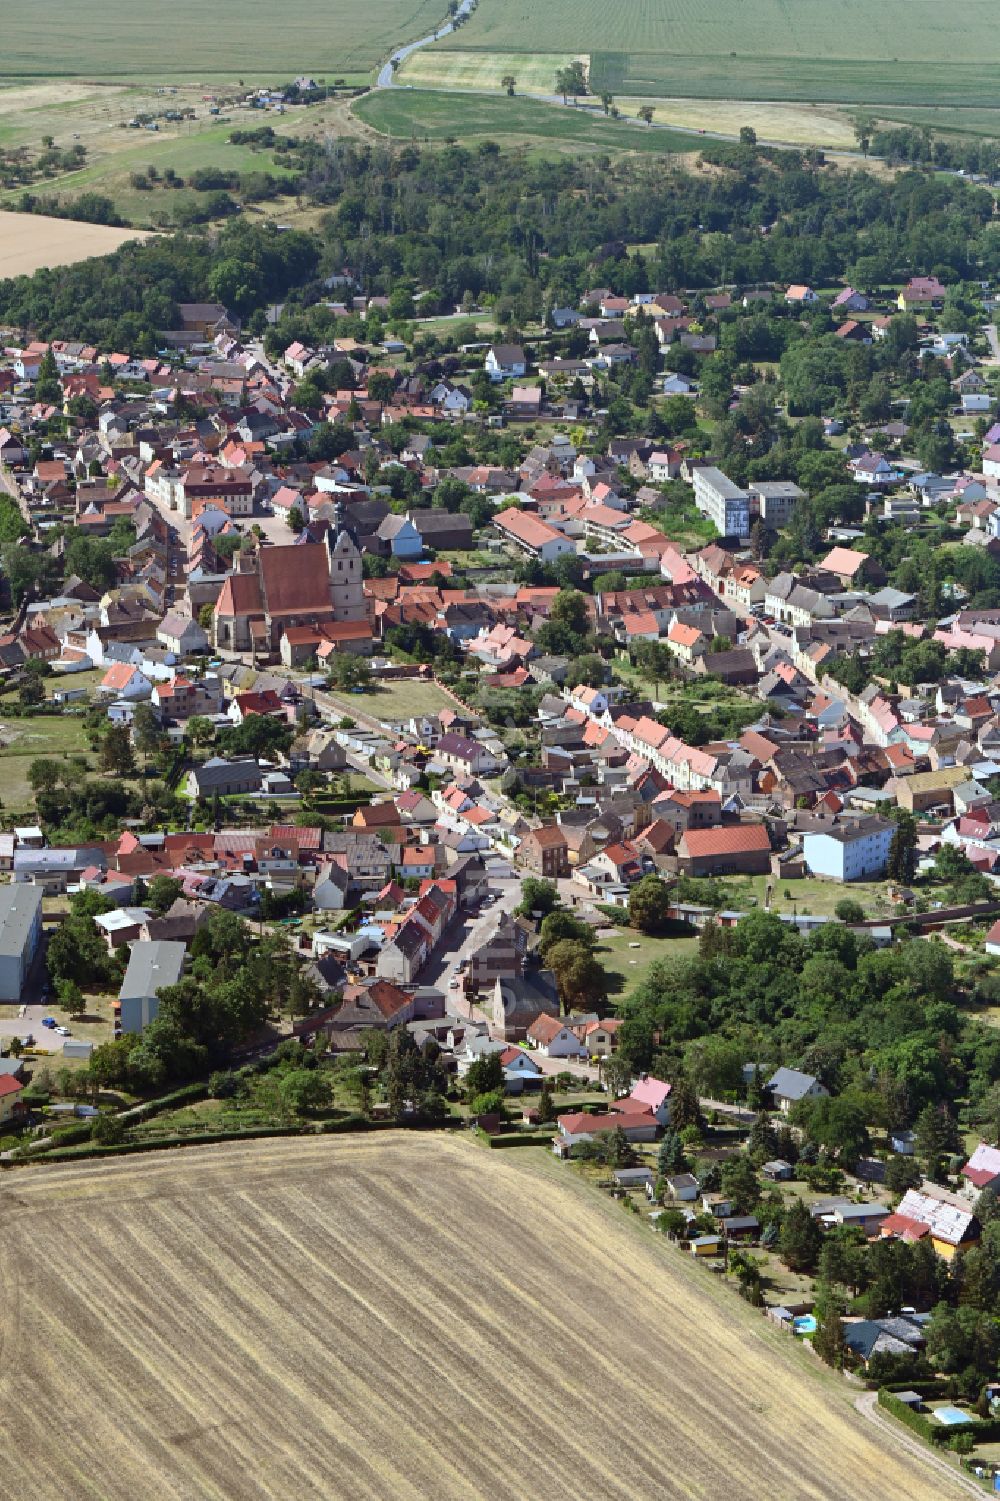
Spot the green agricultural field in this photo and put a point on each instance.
(437, 116)
(191, 40)
(901, 51)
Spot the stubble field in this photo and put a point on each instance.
(29, 241)
(402, 1317)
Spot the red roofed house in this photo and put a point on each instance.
(743, 848)
(983, 1169)
(10, 1097)
(551, 1037)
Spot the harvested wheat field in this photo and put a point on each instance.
(402, 1318)
(31, 241)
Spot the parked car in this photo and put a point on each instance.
(64, 1031)
(48, 1021)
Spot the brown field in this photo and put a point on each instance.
(392, 1319)
(30, 241)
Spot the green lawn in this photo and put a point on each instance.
(427, 114)
(627, 967)
(398, 700)
(189, 40)
(22, 740)
(811, 895)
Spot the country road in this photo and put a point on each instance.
(385, 77)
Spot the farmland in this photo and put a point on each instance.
(308, 1318)
(30, 241)
(900, 51)
(438, 116)
(141, 39)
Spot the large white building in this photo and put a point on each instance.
(724, 503)
(20, 934)
(850, 852)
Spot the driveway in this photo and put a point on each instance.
(462, 938)
(867, 1406)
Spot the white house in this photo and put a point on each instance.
(554, 1040)
(181, 633)
(506, 362)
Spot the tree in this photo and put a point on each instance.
(307, 1090)
(902, 863)
(864, 125)
(648, 904)
(71, 998)
(849, 911)
(936, 1136)
(44, 774)
(162, 892)
(561, 924)
(800, 1239)
(484, 1075)
(828, 1341)
(571, 81)
(47, 384)
(739, 1183)
(546, 1109)
(116, 752)
(685, 1109)
(348, 671)
(536, 896)
(147, 737)
(200, 730)
(902, 1173)
(606, 102)
(108, 1130)
(646, 113)
(748, 136)
(670, 1158)
(509, 82)
(31, 691)
(581, 979)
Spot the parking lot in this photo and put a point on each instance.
(15, 1024)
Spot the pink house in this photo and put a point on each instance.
(653, 1095)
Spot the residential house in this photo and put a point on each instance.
(789, 1085)
(856, 851)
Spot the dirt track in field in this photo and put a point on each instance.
(407, 1318)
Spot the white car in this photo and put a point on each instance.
(64, 1031)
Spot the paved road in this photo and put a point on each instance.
(385, 78)
(990, 330)
(867, 1406)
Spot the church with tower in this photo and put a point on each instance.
(275, 589)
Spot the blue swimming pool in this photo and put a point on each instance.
(951, 1415)
(804, 1324)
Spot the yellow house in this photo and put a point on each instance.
(951, 1227)
(10, 1095)
(706, 1245)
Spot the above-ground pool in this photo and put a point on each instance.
(805, 1324)
(951, 1415)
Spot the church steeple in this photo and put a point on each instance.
(346, 572)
